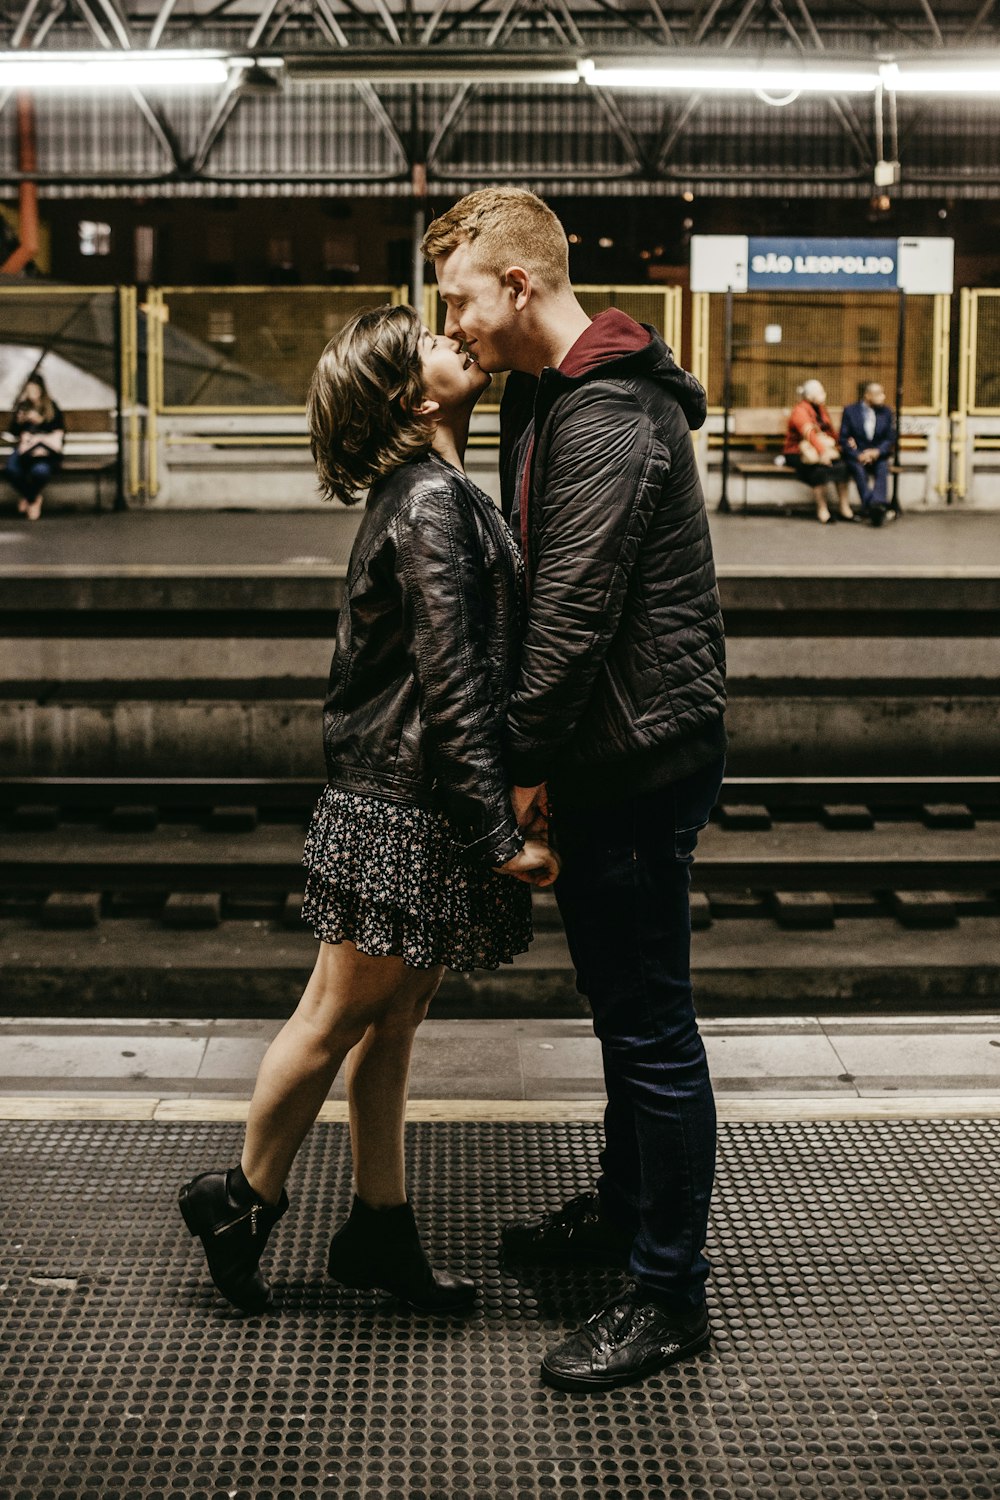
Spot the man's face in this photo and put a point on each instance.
(480, 309)
(875, 395)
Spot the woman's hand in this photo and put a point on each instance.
(536, 864)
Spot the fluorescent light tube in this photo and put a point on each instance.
(68, 70)
(972, 78)
(711, 79)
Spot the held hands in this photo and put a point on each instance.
(536, 863)
(531, 808)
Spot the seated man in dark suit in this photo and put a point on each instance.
(867, 440)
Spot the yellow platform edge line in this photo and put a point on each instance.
(731, 1109)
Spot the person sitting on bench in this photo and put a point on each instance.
(867, 441)
(811, 450)
(38, 428)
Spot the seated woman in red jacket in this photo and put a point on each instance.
(811, 450)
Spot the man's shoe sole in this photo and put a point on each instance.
(612, 1382)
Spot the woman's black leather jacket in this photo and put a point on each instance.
(427, 650)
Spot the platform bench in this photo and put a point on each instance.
(762, 430)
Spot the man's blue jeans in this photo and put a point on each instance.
(623, 895)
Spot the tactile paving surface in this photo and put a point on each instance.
(854, 1303)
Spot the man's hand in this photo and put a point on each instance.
(869, 455)
(536, 864)
(531, 806)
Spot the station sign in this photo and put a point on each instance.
(821, 265)
(741, 263)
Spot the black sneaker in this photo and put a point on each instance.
(629, 1338)
(578, 1233)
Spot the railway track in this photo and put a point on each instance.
(131, 896)
(150, 839)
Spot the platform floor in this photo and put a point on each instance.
(854, 1302)
(935, 542)
(840, 1061)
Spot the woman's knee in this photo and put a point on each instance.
(408, 1008)
(349, 992)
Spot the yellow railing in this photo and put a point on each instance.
(978, 377)
(240, 351)
(781, 339)
(248, 349)
(129, 385)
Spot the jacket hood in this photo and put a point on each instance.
(615, 345)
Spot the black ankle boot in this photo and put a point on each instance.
(234, 1232)
(380, 1247)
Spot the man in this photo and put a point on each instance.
(867, 442)
(619, 711)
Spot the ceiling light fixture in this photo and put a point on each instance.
(969, 77)
(103, 70)
(721, 77)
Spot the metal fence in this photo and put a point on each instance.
(241, 351)
(844, 339)
(246, 348)
(975, 439)
(979, 357)
(245, 355)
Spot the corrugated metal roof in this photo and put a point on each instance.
(330, 140)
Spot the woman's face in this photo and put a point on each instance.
(32, 392)
(450, 377)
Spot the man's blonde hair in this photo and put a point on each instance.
(508, 227)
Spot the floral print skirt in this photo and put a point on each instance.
(390, 878)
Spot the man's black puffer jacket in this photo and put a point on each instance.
(622, 685)
(427, 649)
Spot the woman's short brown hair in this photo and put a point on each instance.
(362, 398)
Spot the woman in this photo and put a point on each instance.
(39, 430)
(413, 842)
(811, 450)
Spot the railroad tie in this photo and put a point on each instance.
(71, 909)
(847, 815)
(744, 815)
(193, 909)
(803, 909)
(924, 908)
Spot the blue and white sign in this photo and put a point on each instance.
(741, 263)
(821, 265)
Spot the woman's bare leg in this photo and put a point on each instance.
(346, 993)
(822, 510)
(844, 501)
(378, 1072)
